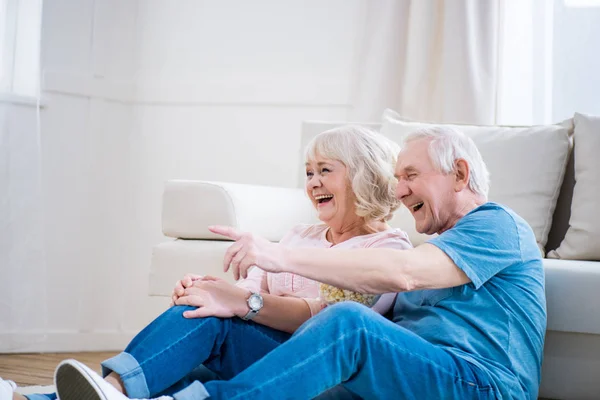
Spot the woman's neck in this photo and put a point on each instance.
(338, 235)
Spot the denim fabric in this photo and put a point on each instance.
(161, 358)
(174, 353)
(51, 396)
(375, 358)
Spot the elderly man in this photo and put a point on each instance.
(469, 318)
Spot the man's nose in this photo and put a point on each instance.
(402, 189)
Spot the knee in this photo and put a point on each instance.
(343, 316)
(177, 313)
(348, 310)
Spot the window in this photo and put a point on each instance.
(582, 3)
(20, 29)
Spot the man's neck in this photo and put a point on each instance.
(462, 209)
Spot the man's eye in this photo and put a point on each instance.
(411, 176)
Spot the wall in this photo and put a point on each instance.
(222, 89)
(139, 92)
(576, 82)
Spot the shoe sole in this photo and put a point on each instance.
(73, 383)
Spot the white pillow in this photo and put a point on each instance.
(526, 164)
(582, 240)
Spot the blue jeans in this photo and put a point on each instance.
(174, 353)
(350, 344)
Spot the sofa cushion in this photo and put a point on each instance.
(582, 240)
(189, 207)
(172, 260)
(526, 164)
(572, 295)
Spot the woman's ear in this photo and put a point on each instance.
(462, 174)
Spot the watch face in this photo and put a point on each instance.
(255, 302)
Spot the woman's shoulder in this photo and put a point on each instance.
(304, 231)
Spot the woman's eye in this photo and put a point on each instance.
(325, 170)
(309, 174)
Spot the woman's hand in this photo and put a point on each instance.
(186, 282)
(214, 297)
(249, 250)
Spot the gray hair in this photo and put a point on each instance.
(448, 145)
(370, 159)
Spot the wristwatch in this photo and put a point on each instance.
(255, 303)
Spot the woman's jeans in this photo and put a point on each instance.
(173, 352)
(161, 357)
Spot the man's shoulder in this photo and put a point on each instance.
(491, 213)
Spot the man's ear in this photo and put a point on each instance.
(462, 174)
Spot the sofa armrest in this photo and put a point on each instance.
(189, 207)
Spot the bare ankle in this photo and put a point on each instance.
(17, 396)
(115, 380)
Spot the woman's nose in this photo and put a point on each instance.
(314, 181)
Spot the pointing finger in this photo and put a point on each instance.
(227, 231)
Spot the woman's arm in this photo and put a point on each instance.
(215, 297)
(284, 313)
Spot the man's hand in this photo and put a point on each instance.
(214, 297)
(249, 250)
(180, 286)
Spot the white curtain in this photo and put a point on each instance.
(463, 61)
(23, 316)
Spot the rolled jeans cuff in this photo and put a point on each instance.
(130, 372)
(196, 391)
(38, 396)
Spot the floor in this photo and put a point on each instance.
(38, 369)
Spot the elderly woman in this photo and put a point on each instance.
(225, 327)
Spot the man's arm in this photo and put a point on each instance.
(378, 270)
(364, 270)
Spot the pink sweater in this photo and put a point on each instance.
(288, 284)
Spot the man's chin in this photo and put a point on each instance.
(423, 230)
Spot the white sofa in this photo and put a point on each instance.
(571, 367)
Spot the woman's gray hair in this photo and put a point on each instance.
(448, 145)
(370, 159)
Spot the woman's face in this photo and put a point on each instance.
(328, 188)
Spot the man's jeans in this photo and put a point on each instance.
(350, 343)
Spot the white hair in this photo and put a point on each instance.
(448, 145)
(370, 159)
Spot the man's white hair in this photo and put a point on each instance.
(448, 145)
(370, 159)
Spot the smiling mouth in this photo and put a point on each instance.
(416, 207)
(323, 198)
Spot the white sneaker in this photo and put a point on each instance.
(7, 388)
(75, 381)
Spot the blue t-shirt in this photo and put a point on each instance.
(497, 321)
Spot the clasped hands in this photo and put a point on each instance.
(218, 298)
(213, 297)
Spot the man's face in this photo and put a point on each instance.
(428, 194)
